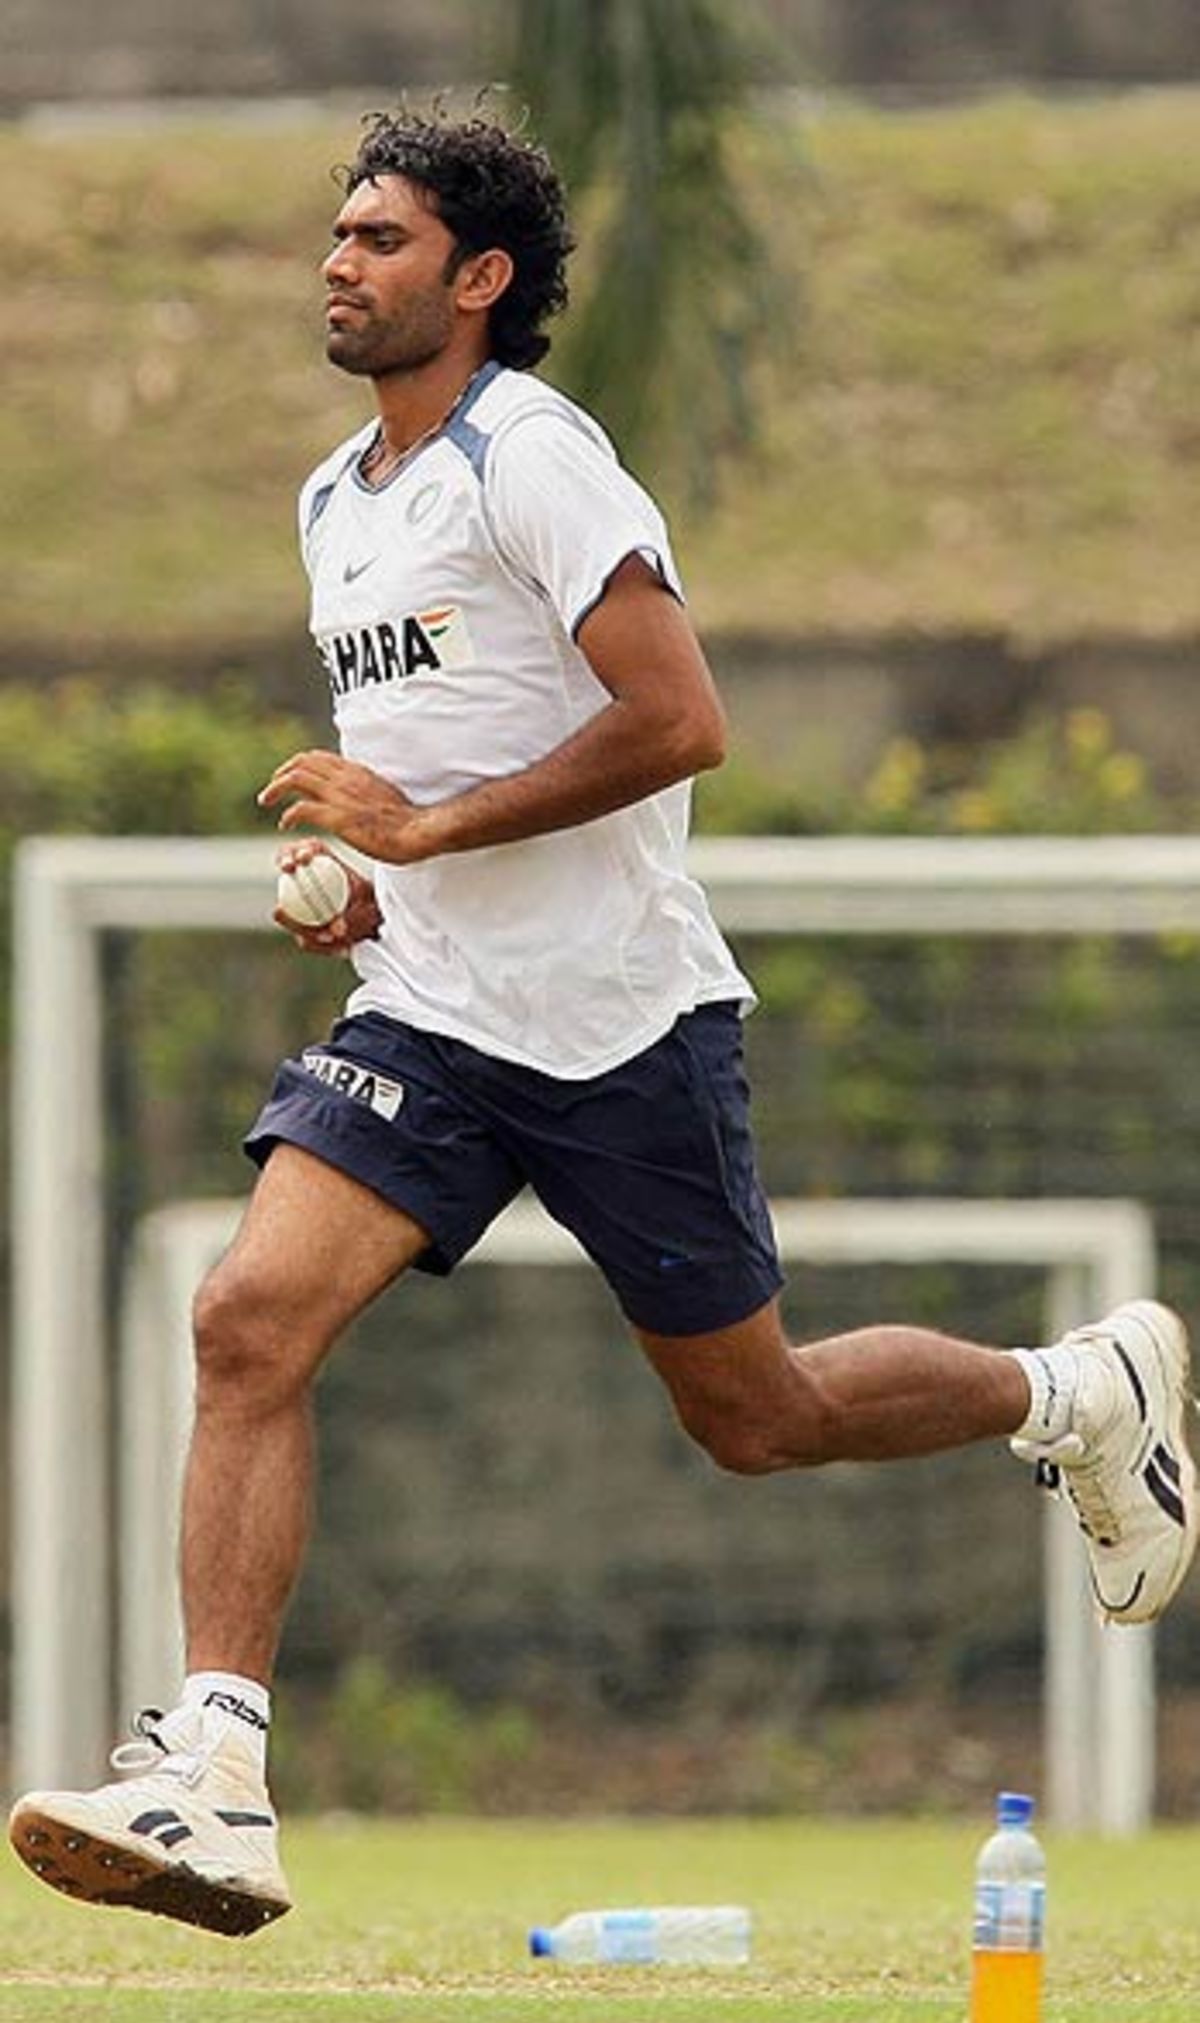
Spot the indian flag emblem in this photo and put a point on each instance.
(446, 629)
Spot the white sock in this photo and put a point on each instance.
(245, 1701)
(1053, 1378)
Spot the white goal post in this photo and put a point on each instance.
(1098, 1692)
(70, 890)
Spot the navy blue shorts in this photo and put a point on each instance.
(650, 1165)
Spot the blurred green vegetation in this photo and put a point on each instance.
(76, 757)
(929, 1086)
(377, 1746)
(984, 417)
(1061, 774)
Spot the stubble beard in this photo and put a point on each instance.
(384, 349)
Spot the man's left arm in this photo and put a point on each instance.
(663, 723)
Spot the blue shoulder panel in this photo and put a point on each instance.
(320, 500)
(461, 430)
(323, 493)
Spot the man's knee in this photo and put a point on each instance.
(760, 1435)
(739, 1446)
(245, 1349)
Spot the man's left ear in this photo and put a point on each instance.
(483, 278)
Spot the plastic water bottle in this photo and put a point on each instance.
(1010, 1912)
(682, 1935)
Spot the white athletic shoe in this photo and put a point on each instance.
(1125, 1463)
(194, 1838)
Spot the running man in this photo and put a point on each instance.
(543, 999)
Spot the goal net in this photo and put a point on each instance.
(950, 1029)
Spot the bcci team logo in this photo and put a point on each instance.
(420, 507)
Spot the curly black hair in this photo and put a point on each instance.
(490, 188)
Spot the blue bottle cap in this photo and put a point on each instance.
(1013, 1808)
(540, 1943)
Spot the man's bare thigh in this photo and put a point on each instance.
(315, 1246)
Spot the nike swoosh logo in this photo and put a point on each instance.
(353, 570)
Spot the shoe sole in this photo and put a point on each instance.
(92, 1870)
(1169, 1339)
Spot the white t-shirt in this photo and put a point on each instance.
(445, 606)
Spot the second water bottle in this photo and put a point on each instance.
(697, 1935)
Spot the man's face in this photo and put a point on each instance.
(390, 307)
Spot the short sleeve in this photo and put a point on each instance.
(566, 514)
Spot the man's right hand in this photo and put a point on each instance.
(359, 920)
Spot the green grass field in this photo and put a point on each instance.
(862, 1922)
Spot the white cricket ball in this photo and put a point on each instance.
(313, 893)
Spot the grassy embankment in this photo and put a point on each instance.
(988, 420)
